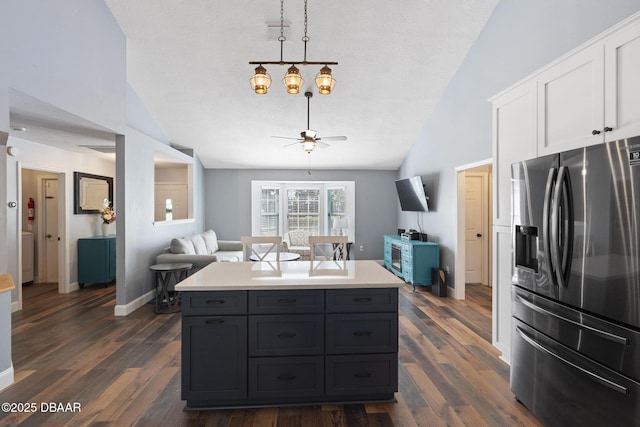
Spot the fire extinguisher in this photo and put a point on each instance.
(31, 209)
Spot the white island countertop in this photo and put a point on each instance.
(226, 276)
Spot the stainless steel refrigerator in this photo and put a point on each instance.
(576, 285)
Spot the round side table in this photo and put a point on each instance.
(167, 302)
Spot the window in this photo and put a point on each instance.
(336, 209)
(310, 206)
(270, 211)
(303, 209)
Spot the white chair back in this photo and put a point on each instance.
(339, 247)
(272, 244)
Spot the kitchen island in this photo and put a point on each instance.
(289, 333)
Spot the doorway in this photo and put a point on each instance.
(42, 222)
(473, 226)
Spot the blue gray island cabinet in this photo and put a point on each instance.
(260, 334)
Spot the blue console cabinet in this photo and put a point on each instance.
(411, 260)
(96, 260)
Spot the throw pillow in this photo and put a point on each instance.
(182, 246)
(211, 240)
(198, 244)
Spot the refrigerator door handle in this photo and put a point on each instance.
(595, 377)
(566, 224)
(546, 235)
(606, 335)
(561, 233)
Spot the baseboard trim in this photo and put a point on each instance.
(125, 310)
(6, 378)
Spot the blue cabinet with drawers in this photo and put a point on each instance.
(411, 260)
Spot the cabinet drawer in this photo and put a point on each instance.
(286, 335)
(284, 377)
(214, 302)
(364, 374)
(284, 302)
(362, 333)
(407, 250)
(362, 300)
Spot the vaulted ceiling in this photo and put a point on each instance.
(188, 62)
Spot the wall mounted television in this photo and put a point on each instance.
(411, 194)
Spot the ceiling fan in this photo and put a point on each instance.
(308, 138)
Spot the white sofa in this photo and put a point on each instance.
(201, 250)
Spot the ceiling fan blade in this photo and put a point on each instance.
(293, 143)
(332, 138)
(286, 137)
(321, 144)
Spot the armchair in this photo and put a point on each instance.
(297, 241)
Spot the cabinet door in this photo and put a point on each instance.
(571, 102)
(93, 260)
(214, 358)
(514, 140)
(112, 258)
(622, 84)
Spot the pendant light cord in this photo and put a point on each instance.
(282, 38)
(305, 38)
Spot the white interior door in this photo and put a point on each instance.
(474, 232)
(51, 236)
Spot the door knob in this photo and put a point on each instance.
(48, 236)
(478, 235)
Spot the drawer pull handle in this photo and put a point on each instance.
(214, 322)
(286, 377)
(287, 335)
(287, 300)
(362, 333)
(362, 374)
(215, 301)
(363, 299)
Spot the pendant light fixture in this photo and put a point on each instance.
(261, 81)
(292, 81)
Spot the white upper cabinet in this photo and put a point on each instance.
(591, 96)
(571, 102)
(514, 140)
(622, 83)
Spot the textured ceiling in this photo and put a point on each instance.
(188, 62)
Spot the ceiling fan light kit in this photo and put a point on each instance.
(292, 81)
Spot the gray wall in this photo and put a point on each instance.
(228, 202)
(139, 239)
(68, 54)
(72, 55)
(520, 37)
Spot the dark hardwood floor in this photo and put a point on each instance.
(125, 371)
